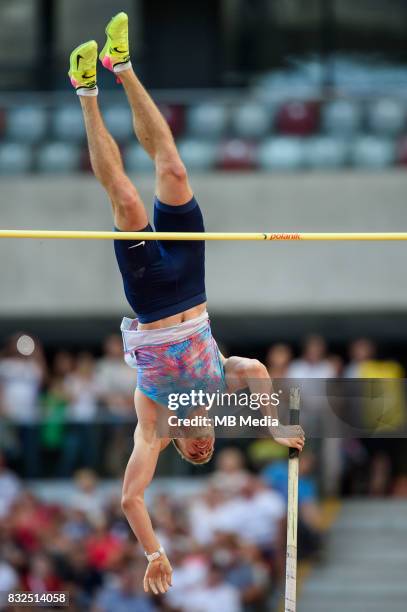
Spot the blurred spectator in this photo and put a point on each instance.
(115, 380)
(76, 526)
(82, 390)
(400, 486)
(31, 522)
(243, 567)
(81, 437)
(9, 579)
(360, 351)
(278, 359)
(276, 476)
(268, 508)
(9, 488)
(21, 375)
(55, 407)
(190, 572)
(384, 457)
(310, 517)
(224, 513)
(215, 595)
(86, 497)
(116, 384)
(337, 364)
(125, 594)
(203, 515)
(63, 365)
(313, 367)
(104, 549)
(86, 579)
(230, 472)
(313, 362)
(41, 576)
(22, 372)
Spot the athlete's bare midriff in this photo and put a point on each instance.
(181, 317)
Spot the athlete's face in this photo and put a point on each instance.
(197, 450)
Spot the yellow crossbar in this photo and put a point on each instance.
(234, 236)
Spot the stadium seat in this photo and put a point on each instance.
(207, 120)
(58, 157)
(2, 122)
(198, 155)
(251, 120)
(342, 117)
(387, 117)
(281, 154)
(67, 123)
(26, 124)
(118, 121)
(298, 118)
(402, 152)
(85, 163)
(372, 152)
(15, 158)
(325, 152)
(237, 154)
(137, 160)
(175, 117)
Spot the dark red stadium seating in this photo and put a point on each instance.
(175, 116)
(298, 118)
(237, 154)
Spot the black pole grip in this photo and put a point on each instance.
(294, 415)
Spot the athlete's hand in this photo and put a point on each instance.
(158, 576)
(289, 435)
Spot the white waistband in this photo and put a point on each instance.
(134, 338)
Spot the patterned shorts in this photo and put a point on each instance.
(193, 363)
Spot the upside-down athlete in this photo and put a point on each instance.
(164, 283)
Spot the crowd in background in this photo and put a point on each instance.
(73, 410)
(225, 542)
(58, 407)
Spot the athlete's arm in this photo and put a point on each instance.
(139, 473)
(241, 373)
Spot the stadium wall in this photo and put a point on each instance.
(79, 278)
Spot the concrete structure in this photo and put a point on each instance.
(80, 278)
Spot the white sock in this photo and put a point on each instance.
(85, 91)
(122, 67)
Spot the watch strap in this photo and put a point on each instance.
(155, 555)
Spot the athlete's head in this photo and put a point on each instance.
(195, 450)
(198, 442)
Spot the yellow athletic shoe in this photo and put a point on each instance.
(83, 62)
(115, 54)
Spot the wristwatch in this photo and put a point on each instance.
(155, 555)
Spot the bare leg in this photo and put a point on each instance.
(128, 208)
(155, 136)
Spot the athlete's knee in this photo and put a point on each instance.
(171, 167)
(126, 201)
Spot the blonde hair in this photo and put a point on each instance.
(194, 462)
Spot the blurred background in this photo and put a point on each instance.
(290, 116)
